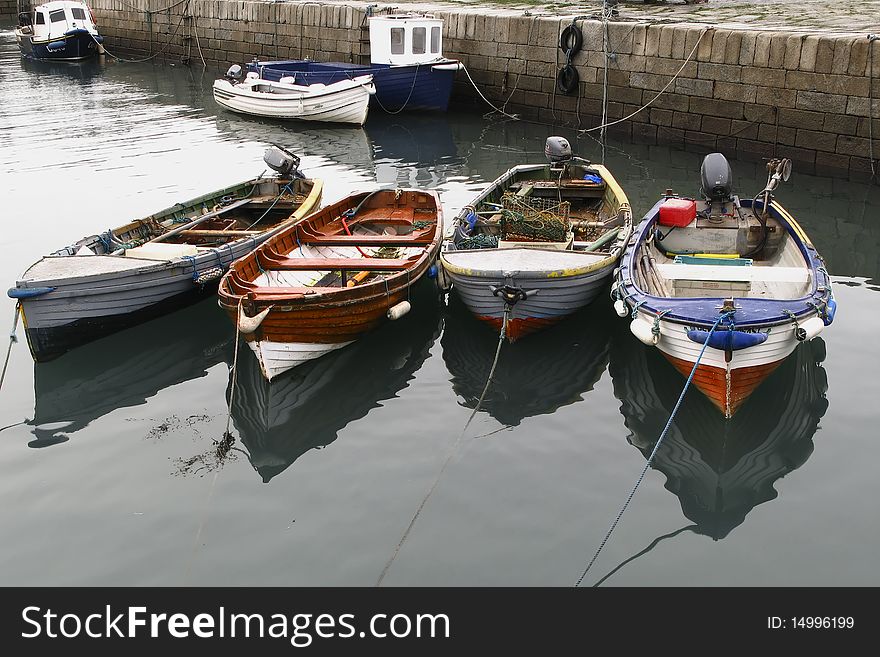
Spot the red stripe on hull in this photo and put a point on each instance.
(712, 382)
(518, 328)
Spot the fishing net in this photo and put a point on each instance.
(528, 219)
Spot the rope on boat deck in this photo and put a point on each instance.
(12, 340)
(452, 452)
(721, 317)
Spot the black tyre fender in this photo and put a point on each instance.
(571, 40)
(567, 79)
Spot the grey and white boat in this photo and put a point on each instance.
(106, 282)
(539, 243)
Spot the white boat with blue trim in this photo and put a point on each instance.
(727, 284)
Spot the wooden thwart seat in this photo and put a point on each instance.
(367, 240)
(728, 273)
(347, 264)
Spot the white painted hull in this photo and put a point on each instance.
(275, 358)
(341, 102)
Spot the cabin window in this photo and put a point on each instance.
(41, 18)
(419, 37)
(396, 40)
(57, 16)
(435, 40)
(78, 14)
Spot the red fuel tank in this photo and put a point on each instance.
(677, 212)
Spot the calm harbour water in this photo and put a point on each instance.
(113, 479)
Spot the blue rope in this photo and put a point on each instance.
(723, 317)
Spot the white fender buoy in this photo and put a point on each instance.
(250, 324)
(809, 329)
(398, 310)
(621, 308)
(643, 331)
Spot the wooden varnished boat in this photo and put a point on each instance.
(152, 265)
(327, 281)
(743, 266)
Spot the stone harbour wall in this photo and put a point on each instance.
(749, 93)
(8, 9)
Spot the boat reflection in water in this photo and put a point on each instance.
(721, 469)
(103, 376)
(82, 70)
(534, 376)
(308, 406)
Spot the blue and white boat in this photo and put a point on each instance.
(61, 30)
(739, 276)
(406, 62)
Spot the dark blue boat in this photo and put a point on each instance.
(406, 61)
(62, 30)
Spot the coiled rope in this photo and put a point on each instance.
(452, 451)
(12, 340)
(650, 460)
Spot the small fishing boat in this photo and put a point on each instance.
(341, 272)
(720, 468)
(150, 266)
(344, 101)
(406, 61)
(61, 30)
(741, 266)
(539, 243)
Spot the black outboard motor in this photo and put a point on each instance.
(716, 178)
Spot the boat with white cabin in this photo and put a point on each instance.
(61, 30)
(406, 61)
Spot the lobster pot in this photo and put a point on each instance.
(534, 219)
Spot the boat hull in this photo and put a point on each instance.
(415, 87)
(550, 299)
(301, 318)
(342, 102)
(69, 300)
(76, 45)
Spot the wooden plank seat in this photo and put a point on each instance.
(728, 273)
(368, 240)
(269, 292)
(207, 232)
(330, 264)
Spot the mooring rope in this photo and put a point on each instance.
(488, 102)
(650, 460)
(659, 93)
(871, 39)
(12, 340)
(406, 102)
(645, 550)
(452, 453)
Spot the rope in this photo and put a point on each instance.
(651, 546)
(199, 45)
(488, 102)
(659, 93)
(157, 53)
(687, 384)
(286, 188)
(871, 39)
(406, 102)
(12, 341)
(234, 368)
(452, 452)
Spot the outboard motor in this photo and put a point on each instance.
(234, 72)
(282, 161)
(557, 150)
(716, 178)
